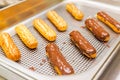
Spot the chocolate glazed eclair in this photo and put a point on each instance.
(108, 20)
(56, 58)
(85, 47)
(97, 30)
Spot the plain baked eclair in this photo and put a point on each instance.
(10, 49)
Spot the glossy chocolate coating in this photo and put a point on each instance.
(109, 19)
(96, 29)
(57, 59)
(82, 43)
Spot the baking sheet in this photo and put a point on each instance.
(36, 60)
(110, 2)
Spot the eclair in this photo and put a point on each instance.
(57, 20)
(26, 36)
(97, 30)
(61, 66)
(85, 47)
(74, 11)
(10, 49)
(44, 29)
(108, 20)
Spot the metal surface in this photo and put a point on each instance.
(112, 71)
(104, 73)
(1, 78)
(36, 59)
(110, 2)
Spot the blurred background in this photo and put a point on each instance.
(4, 3)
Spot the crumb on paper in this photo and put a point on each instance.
(64, 42)
(32, 68)
(116, 36)
(61, 48)
(41, 64)
(107, 45)
(71, 43)
(43, 60)
(83, 27)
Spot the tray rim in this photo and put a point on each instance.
(25, 72)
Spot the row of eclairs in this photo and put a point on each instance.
(61, 66)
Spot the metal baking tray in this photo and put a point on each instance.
(110, 2)
(34, 64)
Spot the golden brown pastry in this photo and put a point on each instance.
(97, 29)
(108, 20)
(10, 49)
(26, 36)
(85, 47)
(57, 20)
(74, 11)
(56, 58)
(44, 29)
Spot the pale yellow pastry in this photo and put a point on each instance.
(26, 36)
(10, 49)
(74, 11)
(57, 20)
(44, 29)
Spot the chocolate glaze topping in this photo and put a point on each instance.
(97, 29)
(109, 19)
(58, 60)
(82, 43)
